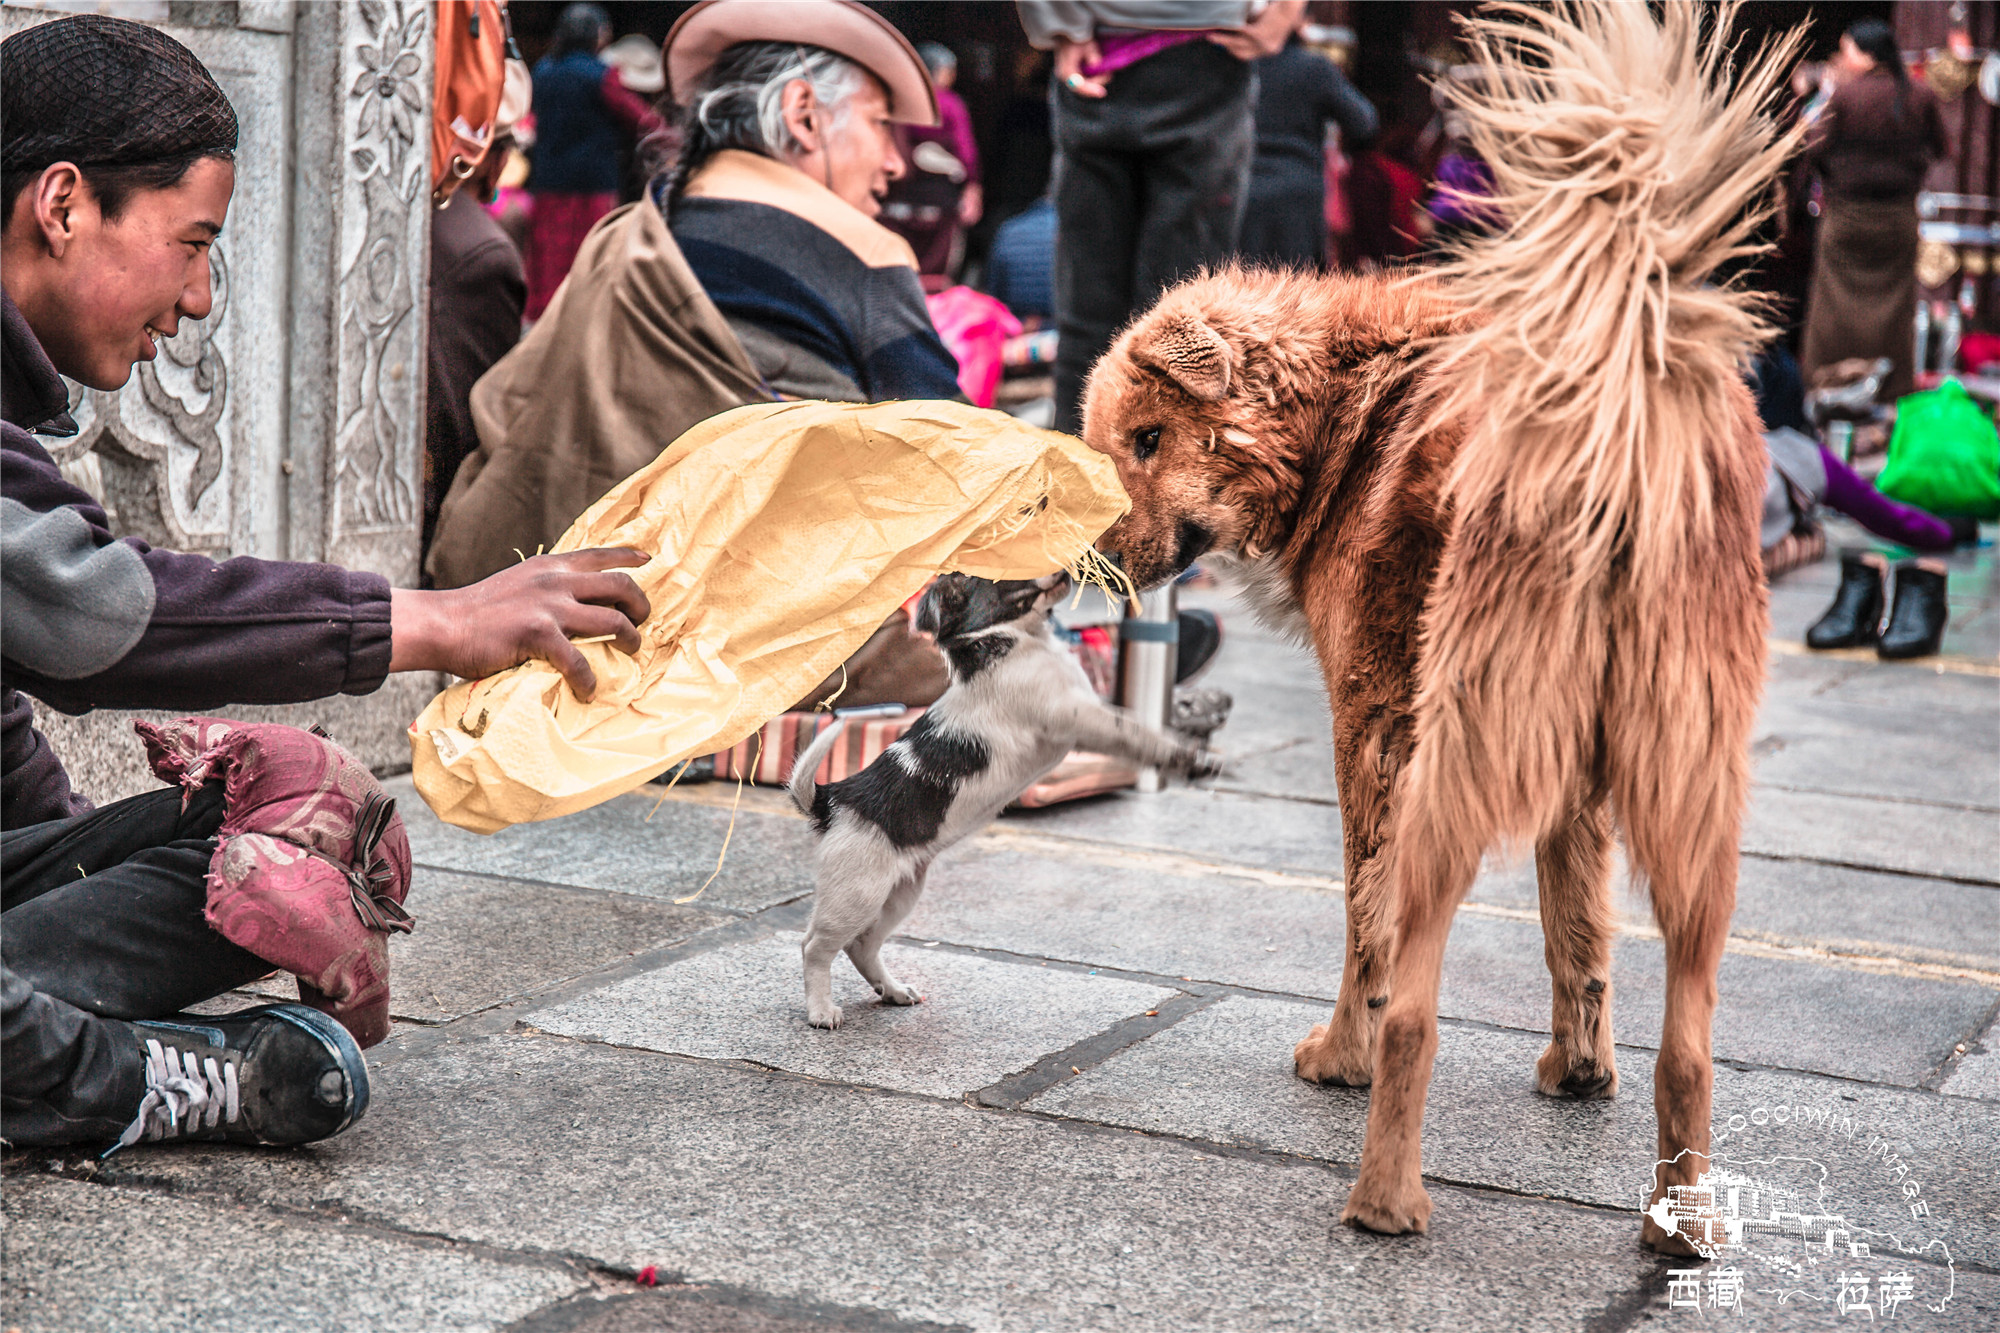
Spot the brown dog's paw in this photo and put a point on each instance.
(1560, 1074)
(1323, 1058)
(1390, 1210)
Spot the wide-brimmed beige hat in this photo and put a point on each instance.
(844, 28)
(637, 62)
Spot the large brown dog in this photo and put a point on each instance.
(1514, 510)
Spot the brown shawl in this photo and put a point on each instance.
(629, 355)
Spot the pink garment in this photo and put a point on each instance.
(975, 328)
(1119, 49)
(311, 864)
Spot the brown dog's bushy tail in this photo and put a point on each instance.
(1598, 388)
(1629, 163)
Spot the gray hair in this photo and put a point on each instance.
(742, 102)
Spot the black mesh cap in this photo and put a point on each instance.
(106, 92)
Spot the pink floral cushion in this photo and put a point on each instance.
(311, 864)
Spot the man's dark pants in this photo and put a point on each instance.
(1149, 186)
(102, 920)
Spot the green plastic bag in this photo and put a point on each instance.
(1945, 455)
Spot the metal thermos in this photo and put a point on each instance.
(1152, 655)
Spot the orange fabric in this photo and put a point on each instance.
(471, 75)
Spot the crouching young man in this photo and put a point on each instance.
(117, 173)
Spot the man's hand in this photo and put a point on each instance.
(1264, 35)
(971, 205)
(1071, 57)
(531, 610)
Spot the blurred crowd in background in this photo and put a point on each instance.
(1081, 157)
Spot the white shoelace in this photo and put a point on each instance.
(181, 1086)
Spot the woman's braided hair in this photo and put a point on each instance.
(741, 105)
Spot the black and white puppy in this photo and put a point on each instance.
(1018, 703)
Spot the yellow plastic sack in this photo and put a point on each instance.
(783, 535)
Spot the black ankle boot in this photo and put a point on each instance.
(1857, 607)
(1916, 622)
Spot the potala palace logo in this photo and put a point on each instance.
(1798, 1204)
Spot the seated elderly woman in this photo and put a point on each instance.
(787, 112)
(754, 270)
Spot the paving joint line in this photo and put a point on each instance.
(1206, 992)
(1072, 1061)
(1899, 872)
(337, 1211)
(573, 1311)
(501, 1017)
(1925, 802)
(89, 1172)
(1097, 1128)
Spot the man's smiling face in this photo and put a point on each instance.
(106, 290)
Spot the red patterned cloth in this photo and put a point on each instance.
(556, 231)
(785, 737)
(311, 864)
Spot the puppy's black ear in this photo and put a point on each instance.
(1190, 353)
(1019, 596)
(942, 607)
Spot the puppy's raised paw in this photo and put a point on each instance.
(823, 1015)
(1194, 762)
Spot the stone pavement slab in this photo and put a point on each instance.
(480, 940)
(1977, 1075)
(1829, 741)
(1809, 903)
(1045, 900)
(1292, 835)
(635, 844)
(1877, 834)
(1028, 898)
(87, 1259)
(1782, 1012)
(922, 1209)
(980, 1020)
(1225, 1075)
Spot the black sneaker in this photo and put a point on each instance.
(278, 1074)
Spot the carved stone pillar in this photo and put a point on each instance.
(289, 423)
(363, 137)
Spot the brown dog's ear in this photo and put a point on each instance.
(1188, 352)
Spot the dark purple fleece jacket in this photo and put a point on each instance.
(239, 631)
